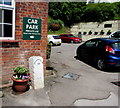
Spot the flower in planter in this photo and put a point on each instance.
(20, 79)
(21, 73)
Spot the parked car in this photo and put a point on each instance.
(70, 38)
(101, 51)
(115, 34)
(54, 40)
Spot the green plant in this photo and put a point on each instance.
(48, 51)
(61, 31)
(55, 25)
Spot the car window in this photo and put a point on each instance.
(71, 35)
(62, 35)
(65, 35)
(116, 45)
(56, 37)
(99, 43)
(90, 43)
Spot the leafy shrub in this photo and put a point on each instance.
(21, 70)
(48, 51)
(55, 25)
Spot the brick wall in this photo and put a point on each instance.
(19, 55)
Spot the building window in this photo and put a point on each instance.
(107, 25)
(6, 2)
(7, 19)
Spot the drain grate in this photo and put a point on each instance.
(117, 83)
(72, 76)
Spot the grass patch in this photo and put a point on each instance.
(61, 31)
(116, 18)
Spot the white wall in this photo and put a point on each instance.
(94, 27)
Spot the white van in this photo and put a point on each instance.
(115, 34)
(54, 39)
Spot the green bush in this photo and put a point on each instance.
(99, 12)
(48, 51)
(55, 25)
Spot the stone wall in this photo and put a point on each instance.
(93, 29)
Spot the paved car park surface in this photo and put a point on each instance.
(75, 84)
(92, 88)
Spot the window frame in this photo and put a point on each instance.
(9, 7)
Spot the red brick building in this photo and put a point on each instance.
(15, 48)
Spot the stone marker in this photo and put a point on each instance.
(36, 71)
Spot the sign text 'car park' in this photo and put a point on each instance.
(31, 28)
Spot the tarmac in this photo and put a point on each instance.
(92, 88)
(58, 92)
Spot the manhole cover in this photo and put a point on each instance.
(117, 83)
(72, 76)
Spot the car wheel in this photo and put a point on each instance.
(51, 43)
(59, 44)
(71, 41)
(101, 64)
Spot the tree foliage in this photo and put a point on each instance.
(73, 12)
(99, 12)
(68, 12)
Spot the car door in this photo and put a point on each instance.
(88, 49)
(64, 38)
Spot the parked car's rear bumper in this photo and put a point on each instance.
(114, 62)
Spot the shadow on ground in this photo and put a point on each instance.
(90, 63)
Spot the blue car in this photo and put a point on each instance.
(103, 52)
